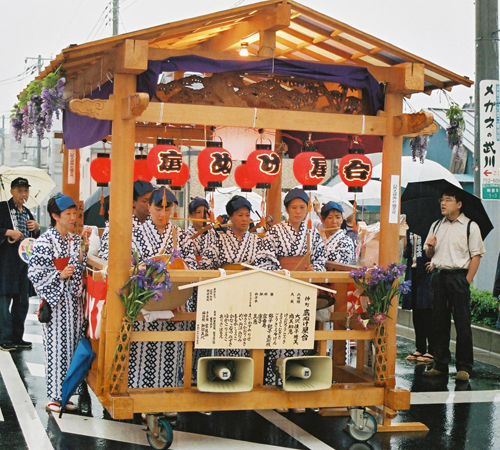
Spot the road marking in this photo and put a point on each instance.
(35, 338)
(439, 398)
(135, 434)
(32, 317)
(1, 415)
(31, 426)
(293, 430)
(37, 370)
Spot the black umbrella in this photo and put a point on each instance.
(420, 203)
(92, 207)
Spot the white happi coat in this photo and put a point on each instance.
(158, 364)
(64, 330)
(104, 248)
(203, 241)
(227, 249)
(340, 248)
(282, 240)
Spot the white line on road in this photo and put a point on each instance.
(31, 426)
(293, 430)
(135, 434)
(1, 415)
(439, 398)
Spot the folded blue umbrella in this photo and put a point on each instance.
(77, 371)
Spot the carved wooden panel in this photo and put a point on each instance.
(273, 92)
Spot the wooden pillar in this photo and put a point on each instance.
(389, 223)
(71, 173)
(120, 220)
(273, 197)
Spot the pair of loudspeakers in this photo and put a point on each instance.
(223, 374)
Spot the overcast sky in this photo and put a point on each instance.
(441, 31)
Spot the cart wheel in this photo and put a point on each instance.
(165, 438)
(369, 428)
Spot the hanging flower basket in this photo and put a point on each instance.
(455, 132)
(37, 105)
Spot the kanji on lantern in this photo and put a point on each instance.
(214, 164)
(264, 166)
(355, 171)
(309, 168)
(165, 163)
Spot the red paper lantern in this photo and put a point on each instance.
(100, 169)
(243, 178)
(309, 168)
(181, 180)
(264, 166)
(355, 170)
(214, 164)
(165, 161)
(141, 170)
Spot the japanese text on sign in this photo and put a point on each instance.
(489, 138)
(233, 313)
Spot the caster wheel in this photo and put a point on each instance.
(165, 438)
(368, 429)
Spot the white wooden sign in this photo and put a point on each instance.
(255, 310)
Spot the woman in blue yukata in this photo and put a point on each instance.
(285, 239)
(234, 246)
(56, 270)
(339, 246)
(159, 364)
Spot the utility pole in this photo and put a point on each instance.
(487, 34)
(116, 10)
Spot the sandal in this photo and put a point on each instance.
(70, 406)
(413, 356)
(54, 407)
(427, 358)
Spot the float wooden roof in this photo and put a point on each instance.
(301, 33)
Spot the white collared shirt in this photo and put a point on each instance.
(451, 251)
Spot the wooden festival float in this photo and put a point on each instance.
(286, 83)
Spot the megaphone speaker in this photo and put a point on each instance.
(223, 374)
(305, 373)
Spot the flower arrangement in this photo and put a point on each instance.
(418, 146)
(148, 281)
(37, 105)
(380, 287)
(455, 132)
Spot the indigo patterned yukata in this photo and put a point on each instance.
(282, 240)
(64, 330)
(201, 242)
(104, 248)
(159, 364)
(227, 249)
(340, 248)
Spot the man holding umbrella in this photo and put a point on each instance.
(16, 223)
(455, 247)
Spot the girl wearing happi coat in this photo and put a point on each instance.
(285, 239)
(159, 364)
(56, 268)
(235, 245)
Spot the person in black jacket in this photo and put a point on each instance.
(16, 223)
(496, 289)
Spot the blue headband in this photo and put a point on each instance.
(196, 202)
(332, 205)
(141, 187)
(63, 201)
(236, 203)
(295, 193)
(160, 192)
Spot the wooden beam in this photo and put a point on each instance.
(98, 109)
(132, 57)
(274, 18)
(412, 123)
(264, 118)
(159, 54)
(427, 131)
(134, 105)
(406, 78)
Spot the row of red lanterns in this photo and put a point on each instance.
(263, 166)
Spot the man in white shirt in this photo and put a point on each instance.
(455, 247)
